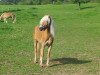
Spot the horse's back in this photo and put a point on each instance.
(7, 14)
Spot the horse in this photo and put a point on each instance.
(43, 36)
(7, 15)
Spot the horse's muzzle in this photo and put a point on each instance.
(43, 28)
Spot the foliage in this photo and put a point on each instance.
(30, 2)
(9, 1)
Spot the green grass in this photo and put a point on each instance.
(76, 49)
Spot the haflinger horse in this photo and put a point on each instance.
(43, 36)
(7, 15)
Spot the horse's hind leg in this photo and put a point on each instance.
(48, 55)
(14, 19)
(35, 51)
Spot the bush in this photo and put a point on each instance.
(34, 2)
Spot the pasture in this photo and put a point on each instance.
(76, 48)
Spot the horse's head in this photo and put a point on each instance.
(44, 25)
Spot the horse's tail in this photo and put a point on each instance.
(14, 18)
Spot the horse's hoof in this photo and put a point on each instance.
(43, 66)
(47, 65)
(35, 62)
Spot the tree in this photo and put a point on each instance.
(79, 3)
(10, 1)
(39, 2)
(53, 1)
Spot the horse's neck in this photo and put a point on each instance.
(46, 31)
(2, 15)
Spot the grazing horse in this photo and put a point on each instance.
(7, 15)
(43, 36)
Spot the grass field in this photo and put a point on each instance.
(76, 49)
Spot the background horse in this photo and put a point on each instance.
(7, 15)
(44, 36)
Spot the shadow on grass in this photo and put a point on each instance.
(34, 15)
(82, 8)
(14, 10)
(33, 8)
(62, 61)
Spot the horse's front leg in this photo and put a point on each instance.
(5, 20)
(48, 55)
(35, 51)
(41, 55)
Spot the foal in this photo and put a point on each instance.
(43, 36)
(7, 15)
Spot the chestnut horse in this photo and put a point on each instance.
(7, 15)
(43, 36)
